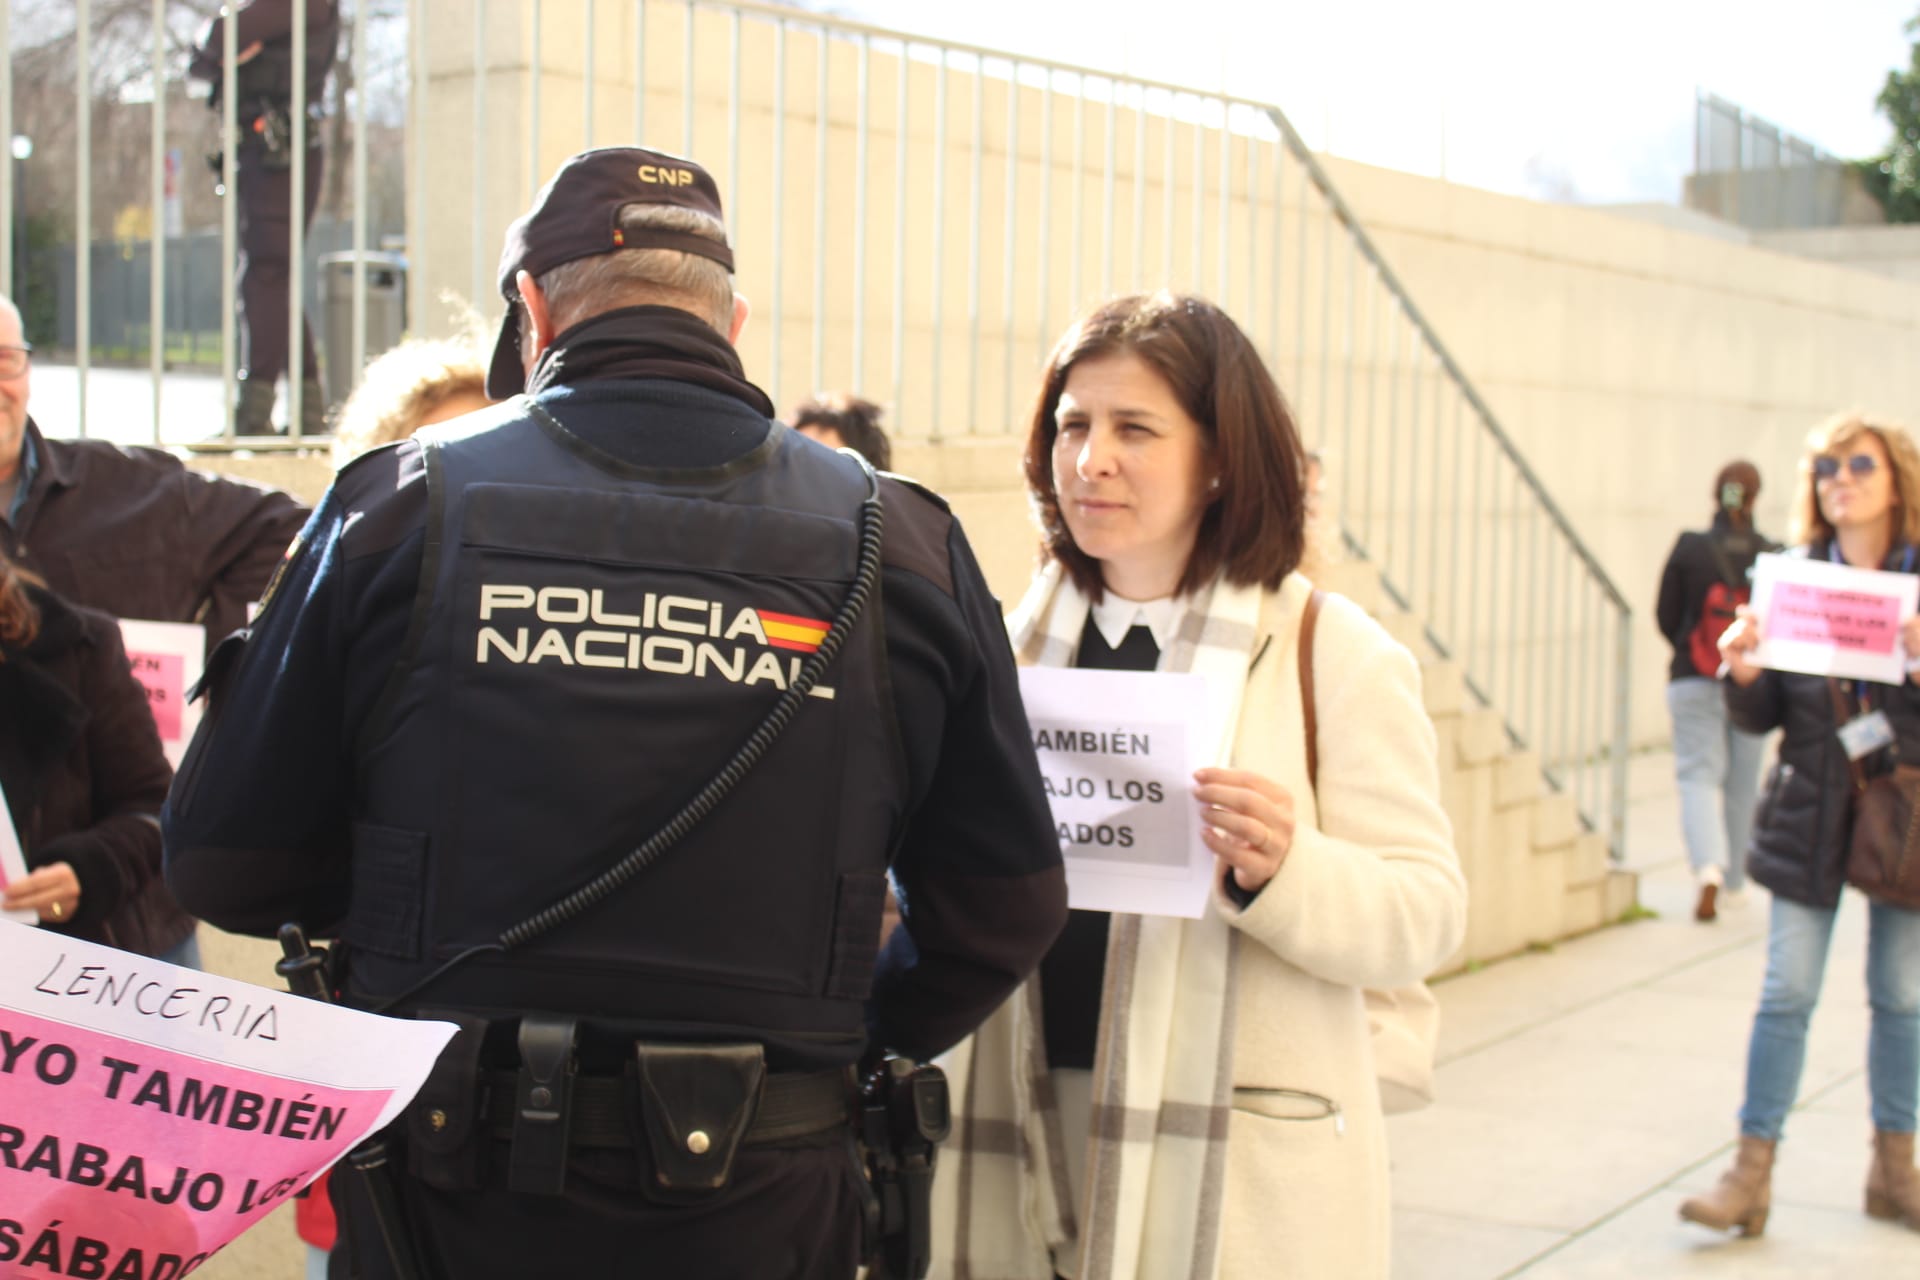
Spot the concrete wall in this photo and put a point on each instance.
(1889, 251)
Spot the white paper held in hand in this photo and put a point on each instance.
(1117, 751)
(13, 860)
(1827, 619)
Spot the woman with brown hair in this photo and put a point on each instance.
(83, 774)
(1216, 1074)
(1858, 504)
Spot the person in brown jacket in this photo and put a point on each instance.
(131, 531)
(83, 775)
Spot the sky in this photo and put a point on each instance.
(1542, 98)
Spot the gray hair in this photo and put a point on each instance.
(587, 287)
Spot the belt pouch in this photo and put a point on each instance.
(446, 1132)
(696, 1104)
(543, 1106)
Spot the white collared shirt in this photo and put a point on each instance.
(1115, 617)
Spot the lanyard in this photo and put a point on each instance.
(1906, 566)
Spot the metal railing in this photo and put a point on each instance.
(928, 215)
(157, 69)
(1480, 552)
(1751, 171)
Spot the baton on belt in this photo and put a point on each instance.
(304, 970)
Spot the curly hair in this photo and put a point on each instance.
(403, 388)
(1834, 435)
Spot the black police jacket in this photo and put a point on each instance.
(593, 641)
(414, 752)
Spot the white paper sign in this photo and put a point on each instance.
(1827, 619)
(1117, 753)
(201, 1103)
(167, 658)
(13, 862)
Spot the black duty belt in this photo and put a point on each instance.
(792, 1105)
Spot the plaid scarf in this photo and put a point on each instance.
(1163, 1067)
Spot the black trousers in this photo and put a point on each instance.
(266, 228)
(791, 1212)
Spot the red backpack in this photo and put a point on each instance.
(1716, 614)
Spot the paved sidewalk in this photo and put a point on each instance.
(1585, 1090)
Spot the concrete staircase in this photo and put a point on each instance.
(1535, 874)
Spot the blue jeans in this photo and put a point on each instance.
(186, 953)
(1797, 942)
(1718, 769)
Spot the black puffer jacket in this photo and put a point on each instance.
(1800, 833)
(84, 776)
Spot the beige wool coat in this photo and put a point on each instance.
(1370, 895)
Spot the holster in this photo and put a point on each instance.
(447, 1139)
(272, 127)
(696, 1103)
(543, 1105)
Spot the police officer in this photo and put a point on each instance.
(264, 156)
(512, 649)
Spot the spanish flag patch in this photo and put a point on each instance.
(785, 631)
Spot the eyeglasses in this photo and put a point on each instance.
(13, 360)
(1861, 465)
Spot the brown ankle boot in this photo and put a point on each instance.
(1893, 1185)
(1744, 1193)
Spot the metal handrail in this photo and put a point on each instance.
(1555, 771)
(1364, 243)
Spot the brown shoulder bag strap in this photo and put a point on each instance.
(1308, 617)
(1841, 714)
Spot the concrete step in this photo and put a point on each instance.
(1357, 580)
(1409, 629)
(1621, 891)
(1516, 779)
(1589, 863)
(1556, 822)
(1443, 686)
(1481, 737)
(1584, 908)
(1499, 886)
(1542, 917)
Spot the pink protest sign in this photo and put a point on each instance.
(131, 1148)
(1850, 620)
(1828, 619)
(162, 675)
(166, 658)
(150, 1114)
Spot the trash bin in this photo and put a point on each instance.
(386, 314)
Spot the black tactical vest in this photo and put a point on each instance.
(592, 643)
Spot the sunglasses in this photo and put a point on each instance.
(13, 360)
(1826, 467)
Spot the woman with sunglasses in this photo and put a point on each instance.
(1169, 484)
(1858, 504)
